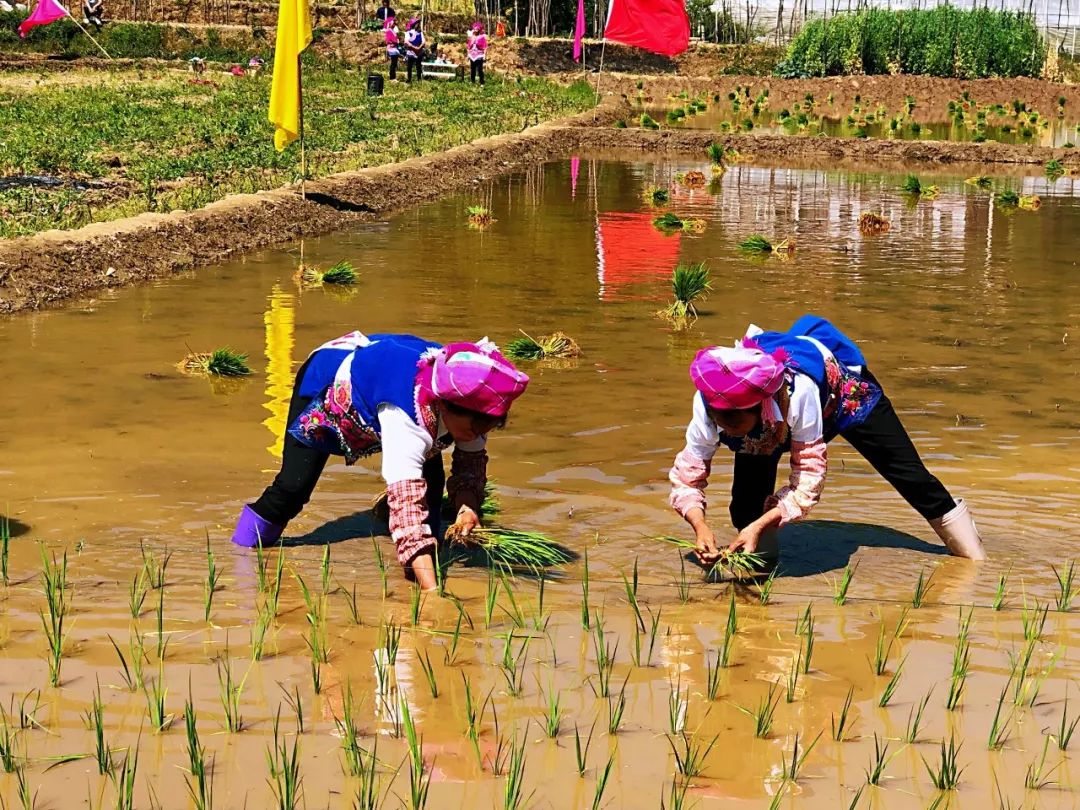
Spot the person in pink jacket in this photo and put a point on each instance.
(795, 391)
(476, 43)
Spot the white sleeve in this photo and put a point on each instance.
(702, 436)
(805, 417)
(404, 445)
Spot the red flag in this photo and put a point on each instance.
(45, 12)
(579, 30)
(660, 26)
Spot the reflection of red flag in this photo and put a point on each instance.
(45, 12)
(575, 166)
(579, 30)
(660, 26)
(629, 250)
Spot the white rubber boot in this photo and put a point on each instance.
(957, 531)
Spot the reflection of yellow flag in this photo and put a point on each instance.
(293, 35)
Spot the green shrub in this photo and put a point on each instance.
(943, 41)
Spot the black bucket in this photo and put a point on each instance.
(374, 84)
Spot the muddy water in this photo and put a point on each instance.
(968, 317)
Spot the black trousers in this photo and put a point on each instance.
(881, 440)
(410, 62)
(476, 68)
(301, 467)
(393, 67)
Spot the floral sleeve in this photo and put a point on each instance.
(689, 476)
(409, 524)
(809, 463)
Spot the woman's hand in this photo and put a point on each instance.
(747, 539)
(467, 520)
(706, 550)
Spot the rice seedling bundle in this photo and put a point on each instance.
(648, 122)
(692, 179)
(218, 363)
(342, 274)
(1030, 202)
(871, 223)
(914, 187)
(689, 283)
(657, 196)
(1007, 199)
(758, 244)
(479, 216)
(557, 345)
(511, 548)
(982, 181)
(738, 564)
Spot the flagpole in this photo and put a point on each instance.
(89, 35)
(303, 154)
(599, 73)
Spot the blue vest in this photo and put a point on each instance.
(384, 371)
(805, 357)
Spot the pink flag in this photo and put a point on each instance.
(660, 26)
(45, 12)
(579, 30)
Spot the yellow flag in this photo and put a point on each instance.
(293, 35)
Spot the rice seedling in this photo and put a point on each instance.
(616, 706)
(1034, 621)
(1033, 687)
(883, 649)
(380, 562)
(999, 726)
(763, 714)
(137, 593)
(5, 547)
(162, 639)
(479, 216)
(264, 618)
(731, 627)
(54, 585)
(514, 787)
(10, 738)
(840, 587)
(283, 763)
(211, 581)
(355, 760)
(960, 663)
(450, 653)
(712, 676)
(605, 657)
(690, 753)
(716, 154)
(791, 768)
(508, 548)
(807, 650)
(1001, 592)
(890, 687)
(739, 564)
(95, 721)
(342, 273)
(1067, 587)
(218, 363)
(1037, 776)
(839, 724)
(878, 764)
(200, 779)
(756, 244)
(1066, 728)
(682, 584)
(871, 223)
(657, 196)
(557, 345)
(155, 692)
(648, 122)
(914, 187)
(676, 795)
(540, 617)
(391, 641)
(678, 702)
(672, 222)
(601, 782)
(639, 632)
(982, 181)
(415, 602)
(513, 665)
(764, 588)
(692, 179)
(514, 611)
(946, 776)
(581, 752)
(429, 673)
(805, 620)
(229, 692)
(419, 775)
(124, 780)
(295, 702)
(792, 682)
(922, 588)
(1019, 670)
(1007, 198)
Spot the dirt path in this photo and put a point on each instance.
(50, 267)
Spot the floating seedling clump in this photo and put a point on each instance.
(341, 274)
(690, 283)
(557, 345)
(1010, 199)
(670, 223)
(648, 122)
(758, 245)
(914, 187)
(692, 180)
(982, 181)
(657, 196)
(218, 363)
(871, 223)
(479, 216)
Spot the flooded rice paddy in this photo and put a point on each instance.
(967, 313)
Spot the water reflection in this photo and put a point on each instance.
(280, 322)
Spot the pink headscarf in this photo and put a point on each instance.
(475, 376)
(412, 21)
(737, 379)
(478, 27)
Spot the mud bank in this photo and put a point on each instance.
(50, 267)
